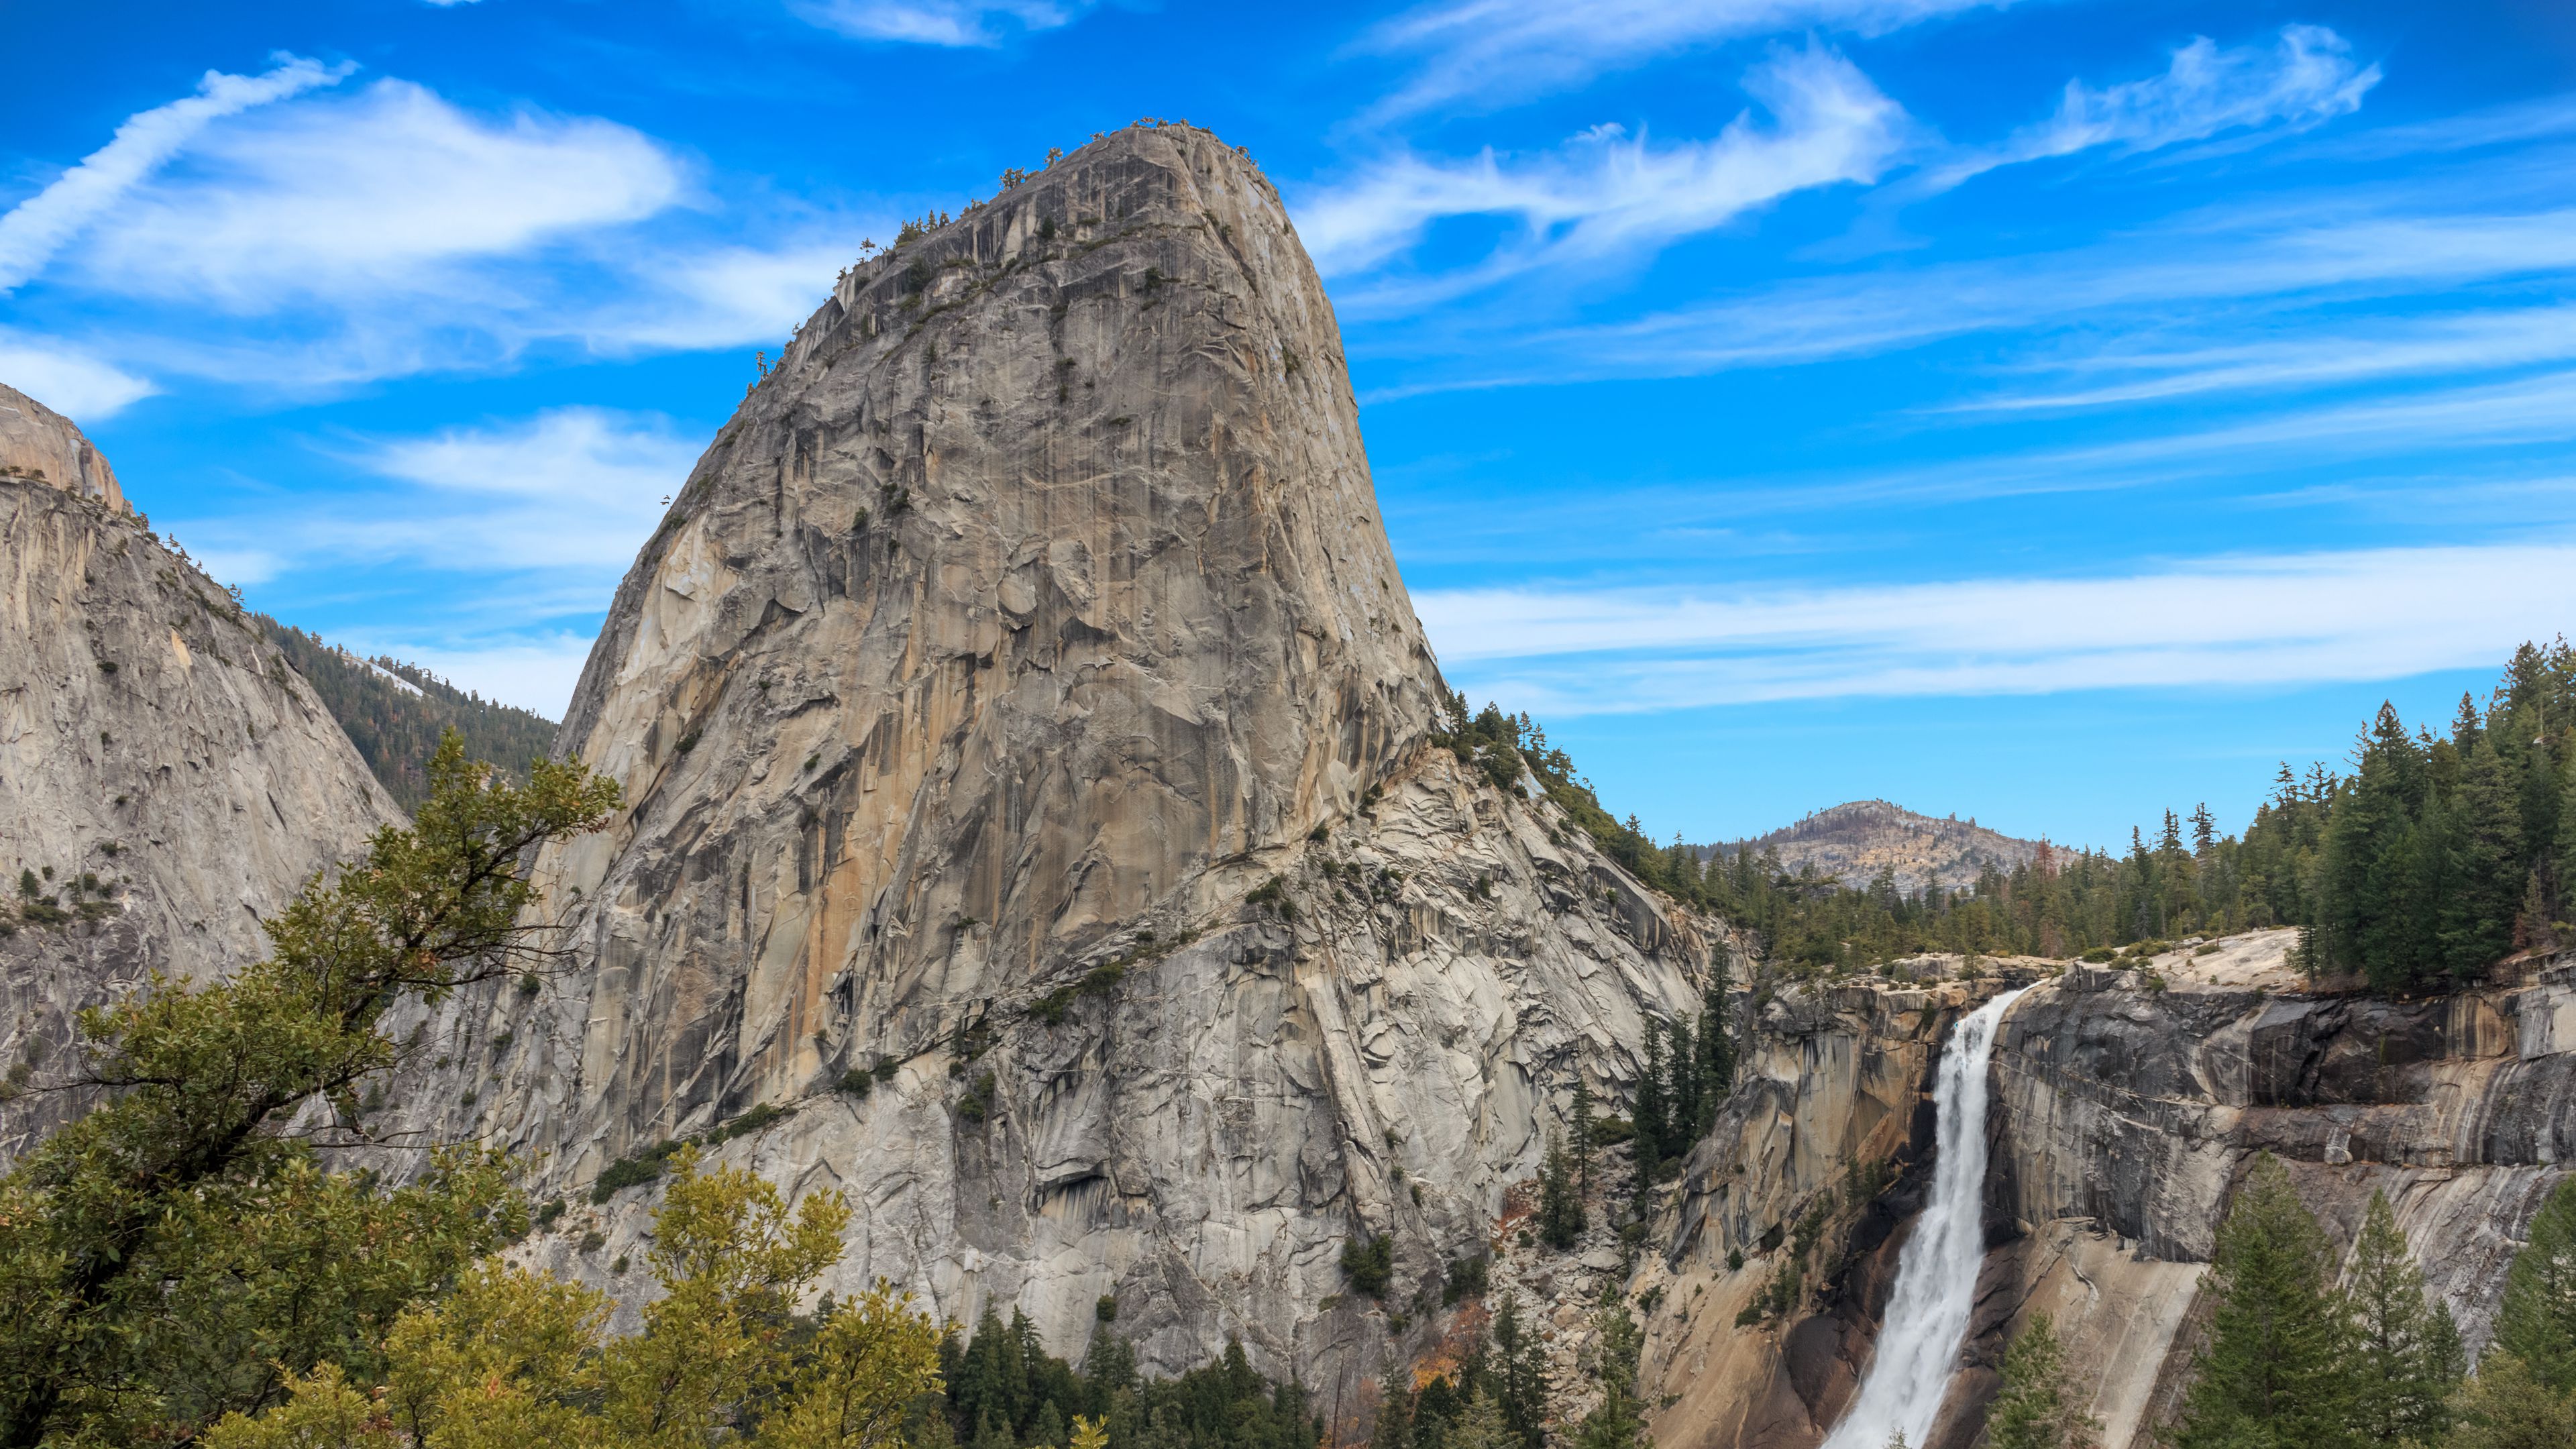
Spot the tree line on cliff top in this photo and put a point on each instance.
(2433, 857)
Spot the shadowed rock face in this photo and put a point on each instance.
(1028, 619)
(149, 739)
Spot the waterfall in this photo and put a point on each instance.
(1936, 1276)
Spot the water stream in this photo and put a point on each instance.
(1936, 1274)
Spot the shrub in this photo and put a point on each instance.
(748, 1123)
(977, 1104)
(2100, 954)
(857, 1081)
(1370, 1264)
(1466, 1278)
(633, 1171)
(1106, 1310)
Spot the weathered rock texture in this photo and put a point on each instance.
(2128, 1105)
(151, 741)
(1028, 620)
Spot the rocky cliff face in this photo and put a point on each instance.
(40, 445)
(165, 777)
(1021, 706)
(2128, 1104)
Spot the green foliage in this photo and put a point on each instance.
(1465, 1278)
(1619, 1421)
(2537, 1322)
(1369, 1263)
(1560, 1197)
(1518, 1376)
(514, 1357)
(633, 1171)
(2508, 1407)
(395, 729)
(2276, 1368)
(1394, 1427)
(2037, 1408)
(977, 1103)
(166, 1253)
(1004, 1391)
(2435, 858)
(2408, 1359)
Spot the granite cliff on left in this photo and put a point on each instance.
(166, 778)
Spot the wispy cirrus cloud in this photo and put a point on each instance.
(66, 379)
(956, 23)
(335, 238)
(2311, 356)
(2263, 621)
(1605, 192)
(2287, 252)
(38, 227)
(1475, 54)
(377, 198)
(2304, 79)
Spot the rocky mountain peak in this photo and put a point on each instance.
(40, 445)
(1859, 839)
(1032, 825)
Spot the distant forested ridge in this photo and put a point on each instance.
(2435, 858)
(393, 713)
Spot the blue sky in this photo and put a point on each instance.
(2051, 412)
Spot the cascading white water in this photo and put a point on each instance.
(1936, 1275)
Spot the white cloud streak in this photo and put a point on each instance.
(1604, 194)
(2311, 357)
(2327, 253)
(953, 23)
(2306, 78)
(576, 488)
(66, 379)
(389, 191)
(2241, 622)
(35, 229)
(1492, 52)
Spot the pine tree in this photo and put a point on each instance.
(2037, 1408)
(1481, 1426)
(1585, 1132)
(2486, 879)
(2537, 1322)
(1047, 1429)
(1394, 1416)
(2274, 1370)
(1618, 1422)
(1682, 1096)
(1520, 1386)
(1560, 1202)
(1654, 1128)
(1716, 1042)
(2408, 1357)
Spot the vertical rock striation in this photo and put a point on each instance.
(151, 743)
(1020, 708)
